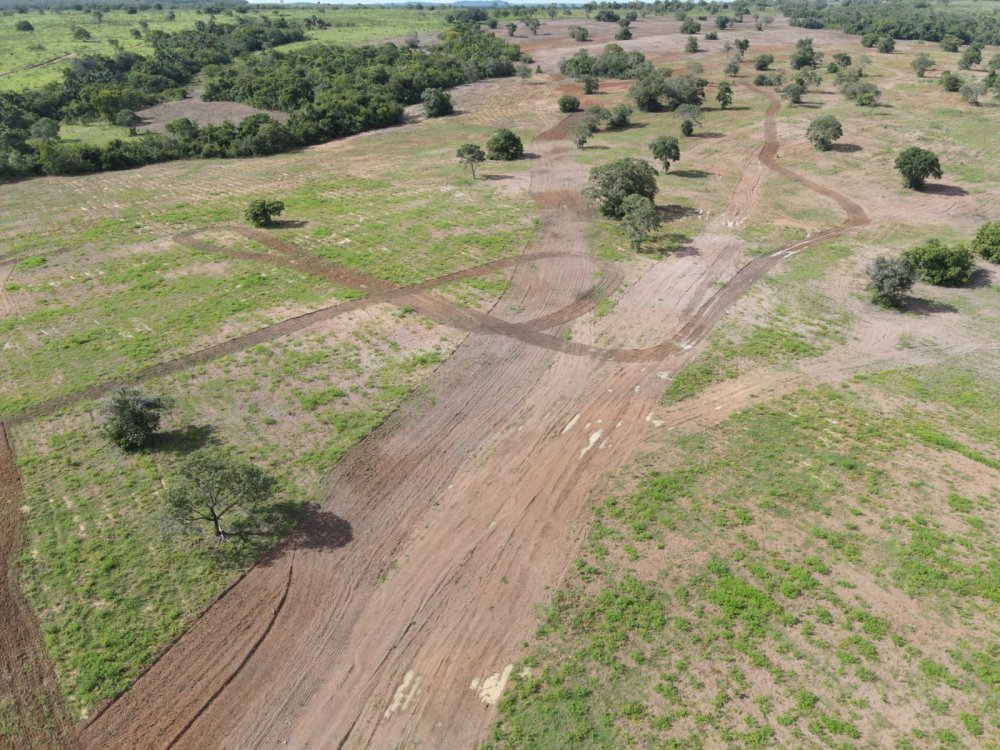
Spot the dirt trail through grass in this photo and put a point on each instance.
(465, 506)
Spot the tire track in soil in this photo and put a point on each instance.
(31, 703)
(465, 505)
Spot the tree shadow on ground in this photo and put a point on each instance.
(690, 173)
(314, 529)
(674, 212)
(810, 105)
(846, 148)
(919, 306)
(185, 439)
(288, 224)
(495, 177)
(321, 529)
(737, 109)
(981, 278)
(710, 134)
(527, 155)
(952, 191)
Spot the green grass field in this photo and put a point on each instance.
(752, 585)
(25, 56)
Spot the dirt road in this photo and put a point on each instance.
(463, 509)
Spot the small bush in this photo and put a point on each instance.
(568, 103)
(261, 212)
(938, 264)
(889, 279)
(504, 145)
(987, 242)
(437, 103)
(130, 417)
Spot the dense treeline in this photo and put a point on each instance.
(332, 91)
(328, 91)
(894, 18)
(613, 62)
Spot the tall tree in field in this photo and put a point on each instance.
(214, 488)
(916, 164)
(665, 150)
(471, 156)
(724, 94)
(640, 218)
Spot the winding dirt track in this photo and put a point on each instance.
(463, 508)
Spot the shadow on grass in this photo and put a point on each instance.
(690, 173)
(674, 212)
(952, 191)
(981, 279)
(287, 224)
(711, 134)
(184, 440)
(919, 306)
(846, 148)
(495, 177)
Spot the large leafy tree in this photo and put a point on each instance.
(916, 164)
(889, 279)
(640, 218)
(504, 145)
(940, 264)
(610, 184)
(987, 241)
(231, 495)
(665, 149)
(823, 131)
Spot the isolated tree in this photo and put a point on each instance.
(690, 26)
(804, 56)
(437, 103)
(723, 22)
(504, 145)
(970, 92)
(581, 133)
(733, 67)
(724, 94)
(640, 218)
(823, 131)
(972, 55)
(611, 183)
(987, 241)
(921, 64)
(619, 116)
(623, 34)
(889, 279)
(129, 417)
(532, 24)
(213, 487)
(471, 156)
(916, 164)
(949, 81)
(886, 45)
(950, 43)
(261, 212)
(867, 94)
(44, 129)
(523, 71)
(590, 84)
(579, 33)
(81, 34)
(842, 60)
(689, 115)
(793, 92)
(691, 45)
(23, 25)
(665, 149)
(568, 103)
(511, 28)
(762, 62)
(743, 45)
(593, 117)
(941, 265)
